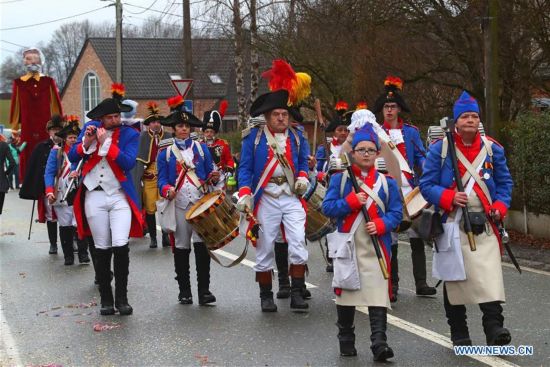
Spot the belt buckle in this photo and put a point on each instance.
(279, 180)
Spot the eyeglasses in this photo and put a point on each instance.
(363, 152)
(390, 107)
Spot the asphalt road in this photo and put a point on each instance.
(47, 319)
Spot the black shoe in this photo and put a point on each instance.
(266, 295)
(284, 292)
(66, 234)
(53, 249)
(69, 261)
(493, 324)
(425, 290)
(83, 257)
(268, 305)
(184, 299)
(165, 239)
(124, 308)
(181, 266)
(107, 310)
(500, 336)
(346, 340)
(206, 298)
(306, 293)
(296, 297)
(381, 351)
(153, 243)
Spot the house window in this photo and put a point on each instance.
(90, 92)
(215, 79)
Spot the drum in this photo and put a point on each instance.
(215, 219)
(415, 203)
(317, 225)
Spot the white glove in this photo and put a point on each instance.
(301, 185)
(244, 203)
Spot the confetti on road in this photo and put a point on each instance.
(50, 312)
(23, 275)
(203, 360)
(8, 234)
(102, 326)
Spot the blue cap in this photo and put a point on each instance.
(366, 133)
(465, 103)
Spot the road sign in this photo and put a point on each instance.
(182, 86)
(188, 105)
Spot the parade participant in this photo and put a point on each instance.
(34, 100)
(339, 129)
(146, 168)
(273, 174)
(185, 168)
(57, 176)
(16, 147)
(105, 204)
(488, 188)
(406, 138)
(7, 165)
(219, 148)
(33, 184)
(381, 197)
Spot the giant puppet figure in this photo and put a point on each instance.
(34, 100)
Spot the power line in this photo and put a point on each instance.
(154, 10)
(15, 44)
(53, 21)
(143, 11)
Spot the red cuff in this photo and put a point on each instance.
(353, 201)
(113, 151)
(303, 174)
(380, 226)
(49, 190)
(165, 189)
(501, 207)
(321, 176)
(446, 200)
(245, 190)
(80, 149)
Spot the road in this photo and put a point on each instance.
(48, 317)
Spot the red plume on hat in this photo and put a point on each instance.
(175, 102)
(282, 76)
(361, 105)
(223, 107)
(153, 108)
(118, 90)
(341, 106)
(393, 83)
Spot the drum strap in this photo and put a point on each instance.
(237, 260)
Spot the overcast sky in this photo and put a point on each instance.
(18, 13)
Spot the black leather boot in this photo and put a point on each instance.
(165, 239)
(66, 237)
(266, 295)
(297, 274)
(121, 267)
(394, 273)
(493, 324)
(419, 268)
(52, 235)
(152, 226)
(346, 335)
(103, 274)
(202, 263)
(83, 257)
(181, 266)
(456, 318)
(281, 259)
(378, 323)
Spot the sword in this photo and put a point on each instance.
(505, 239)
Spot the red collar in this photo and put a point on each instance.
(387, 125)
(66, 148)
(335, 142)
(470, 151)
(369, 179)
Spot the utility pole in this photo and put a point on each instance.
(187, 50)
(118, 41)
(490, 37)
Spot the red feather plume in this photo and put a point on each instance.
(361, 105)
(280, 76)
(118, 90)
(393, 81)
(341, 105)
(175, 101)
(223, 107)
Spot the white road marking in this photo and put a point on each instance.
(8, 349)
(405, 325)
(523, 268)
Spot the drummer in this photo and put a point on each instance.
(406, 138)
(185, 168)
(381, 195)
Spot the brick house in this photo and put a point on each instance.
(148, 68)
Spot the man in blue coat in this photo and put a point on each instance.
(273, 174)
(406, 138)
(106, 203)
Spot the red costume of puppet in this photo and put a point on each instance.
(34, 100)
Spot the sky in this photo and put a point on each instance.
(17, 13)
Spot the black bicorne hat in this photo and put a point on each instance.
(181, 117)
(106, 107)
(392, 86)
(269, 101)
(55, 122)
(71, 127)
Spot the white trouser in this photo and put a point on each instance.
(109, 218)
(184, 231)
(48, 210)
(271, 213)
(65, 215)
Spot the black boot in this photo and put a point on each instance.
(52, 235)
(394, 273)
(281, 259)
(121, 267)
(165, 239)
(91, 246)
(456, 318)
(66, 236)
(103, 275)
(493, 324)
(419, 268)
(266, 295)
(297, 274)
(181, 266)
(346, 335)
(152, 225)
(83, 257)
(202, 263)
(378, 323)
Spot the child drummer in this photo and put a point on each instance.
(184, 154)
(381, 196)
